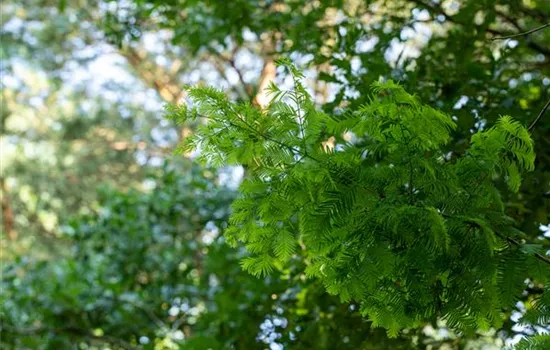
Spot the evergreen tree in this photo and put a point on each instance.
(383, 218)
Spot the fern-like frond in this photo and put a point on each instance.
(379, 214)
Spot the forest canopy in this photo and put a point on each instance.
(347, 174)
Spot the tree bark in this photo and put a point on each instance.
(269, 72)
(154, 76)
(7, 213)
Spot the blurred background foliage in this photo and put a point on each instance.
(108, 242)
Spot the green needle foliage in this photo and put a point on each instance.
(384, 218)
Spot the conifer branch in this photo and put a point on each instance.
(349, 212)
(262, 135)
(251, 128)
(300, 120)
(411, 170)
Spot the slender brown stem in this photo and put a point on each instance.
(518, 244)
(507, 238)
(521, 34)
(532, 126)
(7, 212)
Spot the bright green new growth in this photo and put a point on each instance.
(384, 218)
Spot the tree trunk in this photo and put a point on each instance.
(7, 213)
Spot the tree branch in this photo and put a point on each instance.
(437, 9)
(518, 244)
(521, 34)
(507, 238)
(243, 90)
(164, 82)
(530, 43)
(534, 123)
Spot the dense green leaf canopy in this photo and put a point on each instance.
(385, 219)
(344, 185)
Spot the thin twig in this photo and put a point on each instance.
(452, 19)
(518, 244)
(231, 61)
(507, 238)
(260, 134)
(264, 136)
(300, 118)
(532, 126)
(521, 34)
